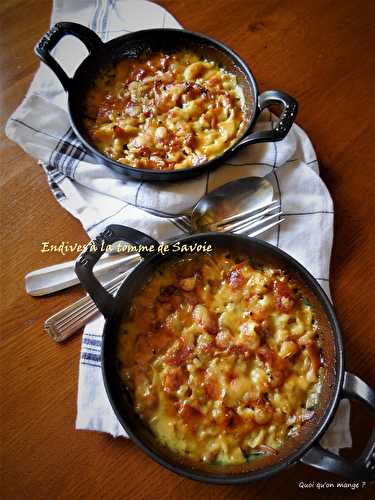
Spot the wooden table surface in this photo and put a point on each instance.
(321, 52)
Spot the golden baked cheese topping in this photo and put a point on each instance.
(164, 111)
(222, 357)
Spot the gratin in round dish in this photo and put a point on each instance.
(134, 45)
(336, 383)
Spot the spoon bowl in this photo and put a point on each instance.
(232, 200)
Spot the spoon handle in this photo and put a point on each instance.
(58, 277)
(64, 323)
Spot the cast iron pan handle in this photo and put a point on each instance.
(54, 35)
(289, 108)
(95, 249)
(363, 468)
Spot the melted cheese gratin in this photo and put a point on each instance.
(222, 358)
(164, 112)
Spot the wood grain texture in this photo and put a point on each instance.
(321, 52)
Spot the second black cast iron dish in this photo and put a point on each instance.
(102, 55)
(337, 384)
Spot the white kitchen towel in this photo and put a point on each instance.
(98, 196)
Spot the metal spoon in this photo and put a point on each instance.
(230, 207)
(233, 201)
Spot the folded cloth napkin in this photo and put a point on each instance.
(99, 197)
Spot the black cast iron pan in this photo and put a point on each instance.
(102, 55)
(337, 383)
